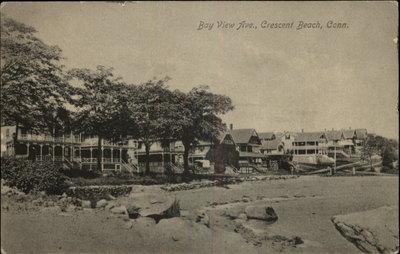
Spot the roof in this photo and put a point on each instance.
(333, 135)
(348, 134)
(266, 135)
(270, 144)
(309, 136)
(361, 133)
(241, 136)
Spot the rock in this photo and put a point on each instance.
(53, 209)
(128, 225)
(234, 211)
(86, 204)
(71, 208)
(119, 210)
(5, 190)
(371, 231)
(133, 211)
(110, 197)
(246, 199)
(38, 201)
(203, 218)
(101, 203)
(242, 216)
(184, 213)
(261, 212)
(109, 206)
(143, 221)
(164, 206)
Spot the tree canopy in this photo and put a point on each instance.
(33, 88)
(199, 117)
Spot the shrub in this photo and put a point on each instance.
(30, 176)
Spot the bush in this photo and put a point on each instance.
(30, 176)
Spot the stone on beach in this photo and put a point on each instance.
(261, 212)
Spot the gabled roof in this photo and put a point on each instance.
(348, 134)
(333, 135)
(309, 136)
(270, 144)
(266, 135)
(242, 136)
(219, 138)
(361, 133)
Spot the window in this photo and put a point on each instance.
(301, 151)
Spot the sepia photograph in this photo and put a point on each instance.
(199, 127)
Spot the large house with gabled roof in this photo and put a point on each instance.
(249, 144)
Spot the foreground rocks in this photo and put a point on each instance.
(373, 231)
(261, 212)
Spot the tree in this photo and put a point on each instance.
(100, 104)
(33, 88)
(378, 145)
(199, 119)
(152, 114)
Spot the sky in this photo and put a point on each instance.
(280, 79)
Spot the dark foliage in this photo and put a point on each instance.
(30, 176)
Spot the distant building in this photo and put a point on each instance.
(160, 155)
(72, 150)
(275, 146)
(309, 143)
(249, 144)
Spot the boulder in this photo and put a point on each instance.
(203, 218)
(119, 210)
(234, 211)
(261, 212)
(133, 211)
(242, 216)
(143, 221)
(109, 206)
(371, 231)
(86, 204)
(156, 205)
(101, 203)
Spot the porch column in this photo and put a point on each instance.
(112, 154)
(162, 159)
(120, 155)
(90, 162)
(62, 151)
(102, 159)
(41, 152)
(54, 151)
(71, 151)
(27, 149)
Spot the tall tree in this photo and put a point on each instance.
(32, 80)
(384, 147)
(99, 102)
(152, 114)
(199, 117)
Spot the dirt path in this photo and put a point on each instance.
(304, 206)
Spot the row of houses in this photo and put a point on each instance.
(233, 148)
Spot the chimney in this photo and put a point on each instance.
(302, 130)
(231, 126)
(350, 128)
